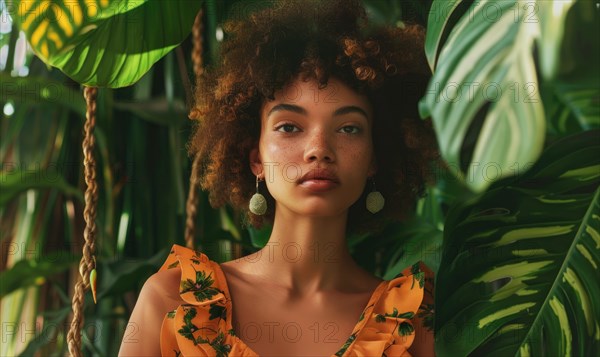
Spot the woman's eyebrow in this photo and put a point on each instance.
(350, 109)
(299, 110)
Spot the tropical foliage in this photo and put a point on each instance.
(511, 227)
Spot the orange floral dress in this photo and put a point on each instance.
(203, 327)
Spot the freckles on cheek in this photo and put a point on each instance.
(282, 153)
(357, 155)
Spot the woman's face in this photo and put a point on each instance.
(315, 150)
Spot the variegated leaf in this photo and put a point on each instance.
(485, 88)
(521, 264)
(104, 42)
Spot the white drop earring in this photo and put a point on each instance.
(258, 203)
(375, 200)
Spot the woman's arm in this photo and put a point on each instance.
(423, 345)
(142, 335)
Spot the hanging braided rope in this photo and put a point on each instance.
(191, 207)
(87, 263)
(197, 30)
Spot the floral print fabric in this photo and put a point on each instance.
(202, 326)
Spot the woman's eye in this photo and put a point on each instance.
(350, 129)
(287, 128)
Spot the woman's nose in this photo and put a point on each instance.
(318, 148)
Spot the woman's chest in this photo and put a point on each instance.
(272, 329)
(273, 326)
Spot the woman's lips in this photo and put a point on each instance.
(319, 185)
(319, 174)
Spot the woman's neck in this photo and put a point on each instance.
(306, 255)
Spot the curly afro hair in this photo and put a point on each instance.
(315, 40)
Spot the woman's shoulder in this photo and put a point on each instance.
(166, 282)
(163, 288)
(187, 280)
(166, 286)
(159, 295)
(200, 325)
(183, 270)
(163, 284)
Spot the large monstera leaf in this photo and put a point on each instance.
(110, 43)
(521, 265)
(484, 97)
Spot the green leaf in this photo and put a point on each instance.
(520, 266)
(407, 315)
(202, 288)
(120, 276)
(438, 23)
(4, 39)
(579, 100)
(572, 98)
(36, 91)
(382, 12)
(483, 97)
(52, 320)
(15, 180)
(28, 272)
(552, 16)
(260, 237)
(562, 117)
(157, 110)
(417, 241)
(217, 311)
(104, 42)
(405, 329)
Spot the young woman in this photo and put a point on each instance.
(309, 124)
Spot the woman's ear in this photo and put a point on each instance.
(256, 162)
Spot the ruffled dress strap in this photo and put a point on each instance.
(386, 327)
(199, 326)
